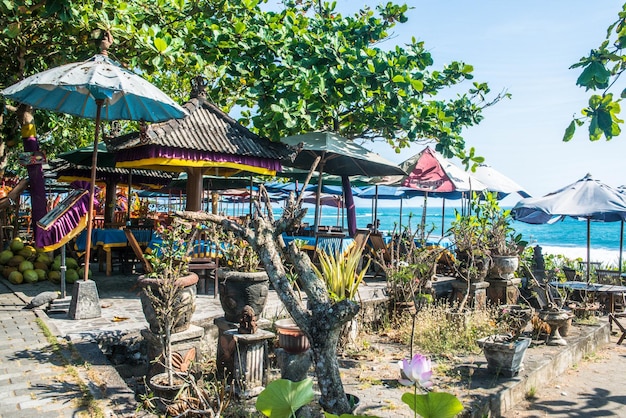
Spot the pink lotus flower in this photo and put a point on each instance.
(417, 371)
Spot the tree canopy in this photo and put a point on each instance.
(298, 69)
(601, 71)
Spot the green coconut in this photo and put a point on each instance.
(71, 263)
(30, 276)
(16, 244)
(81, 272)
(71, 276)
(28, 252)
(16, 277)
(5, 256)
(56, 265)
(15, 261)
(44, 258)
(41, 274)
(7, 270)
(54, 276)
(40, 265)
(25, 265)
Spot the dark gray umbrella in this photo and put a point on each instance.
(339, 156)
(586, 199)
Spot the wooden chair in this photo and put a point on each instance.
(360, 240)
(571, 274)
(377, 243)
(137, 250)
(614, 319)
(329, 242)
(204, 261)
(616, 301)
(119, 220)
(612, 277)
(379, 251)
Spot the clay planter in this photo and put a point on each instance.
(166, 393)
(238, 289)
(503, 266)
(504, 358)
(186, 303)
(290, 336)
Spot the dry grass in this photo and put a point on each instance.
(438, 331)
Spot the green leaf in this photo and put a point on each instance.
(398, 79)
(569, 132)
(282, 398)
(417, 85)
(239, 27)
(594, 76)
(160, 44)
(433, 404)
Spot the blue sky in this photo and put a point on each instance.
(526, 48)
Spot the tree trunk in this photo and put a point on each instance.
(322, 320)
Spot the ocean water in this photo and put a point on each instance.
(568, 237)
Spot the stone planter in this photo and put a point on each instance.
(238, 289)
(290, 336)
(556, 319)
(503, 266)
(504, 357)
(186, 303)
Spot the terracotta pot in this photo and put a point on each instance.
(290, 336)
(186, 303)
(238, 289)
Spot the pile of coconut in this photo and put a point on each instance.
(22, 263)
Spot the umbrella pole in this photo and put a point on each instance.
(621, 246)
(400, 223)
(423, 224)
(92, 187)
(588, 246)
(318, 197)
(374, 223)
(443, 216)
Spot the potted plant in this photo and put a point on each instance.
(505, 352)
(241, 281)
(342, 275)
(503, 243)
(168, 299)
(170, 263)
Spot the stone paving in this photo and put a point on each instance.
(33, 379)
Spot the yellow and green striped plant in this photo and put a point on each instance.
(341, 272)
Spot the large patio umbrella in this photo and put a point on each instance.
(497, 182)
(342, 157)
(98, 88)
(433, 175)
(586, 199)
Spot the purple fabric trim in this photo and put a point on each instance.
(64, 225)
(350, 207)
(36, 184)
(150, 151)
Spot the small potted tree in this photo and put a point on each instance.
(504, 244)
(168, 299)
